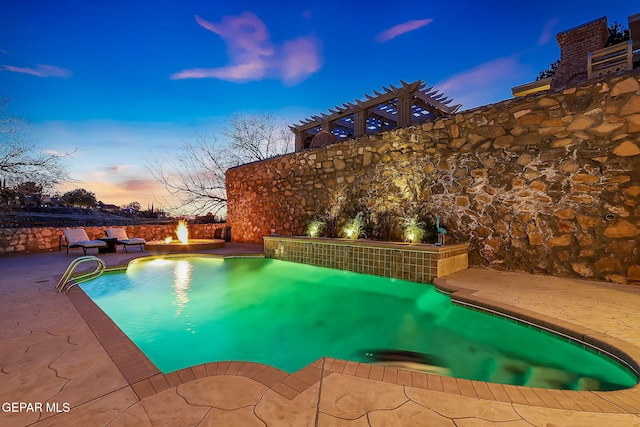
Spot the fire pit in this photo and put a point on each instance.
(183, 244)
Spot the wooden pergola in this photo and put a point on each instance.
(396, 107)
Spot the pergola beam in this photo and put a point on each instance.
(437, 105)
(344, 125)
(384, 115)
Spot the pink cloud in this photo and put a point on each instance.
(400, 29)
(547, 31)
(138, 184)
(252, 55)
(246, 35)
(235, 73)
(40, 71)
(300, 59)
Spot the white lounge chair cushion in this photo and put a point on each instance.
(133, 241)
(78, 237)
(121, 235)
(117, 233)
(74, 235)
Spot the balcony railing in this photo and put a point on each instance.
(612, 59)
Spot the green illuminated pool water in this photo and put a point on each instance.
(188, 311)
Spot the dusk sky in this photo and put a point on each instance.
(125, 81)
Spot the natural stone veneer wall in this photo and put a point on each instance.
(47, 239)
(548, 184)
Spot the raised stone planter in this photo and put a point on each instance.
(415, 262)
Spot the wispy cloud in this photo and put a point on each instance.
(55, 153)
(484, 84)
(547, 31)
(116, 168)
(40, 70)
(254, 70)
(139, 184)
(4, 51)
(253, 56)
(400, 29)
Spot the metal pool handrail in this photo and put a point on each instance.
(66, 277)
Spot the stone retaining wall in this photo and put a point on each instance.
(47, 239)
(549, 183)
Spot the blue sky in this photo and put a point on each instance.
(124, 81)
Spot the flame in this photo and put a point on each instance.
(182, 232)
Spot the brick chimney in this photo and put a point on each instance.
(575, 45)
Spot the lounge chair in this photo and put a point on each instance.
(77, 238)
(123, 239)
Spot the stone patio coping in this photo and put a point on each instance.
(146, 380)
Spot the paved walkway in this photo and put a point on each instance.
(50, 355)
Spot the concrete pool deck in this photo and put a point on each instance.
(52, 354)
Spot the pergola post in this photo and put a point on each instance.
(360, 122)
(405, 104)
(299, 140)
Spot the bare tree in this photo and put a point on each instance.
(21, 160)
(255, 137)
(133, 206)
(196, 176)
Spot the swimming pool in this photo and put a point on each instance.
(187, 311)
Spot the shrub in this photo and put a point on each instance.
(413, 230)
(315, 227)
(355, 227)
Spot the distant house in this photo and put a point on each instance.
(31, 201)
(108, 207)
(50, 202)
